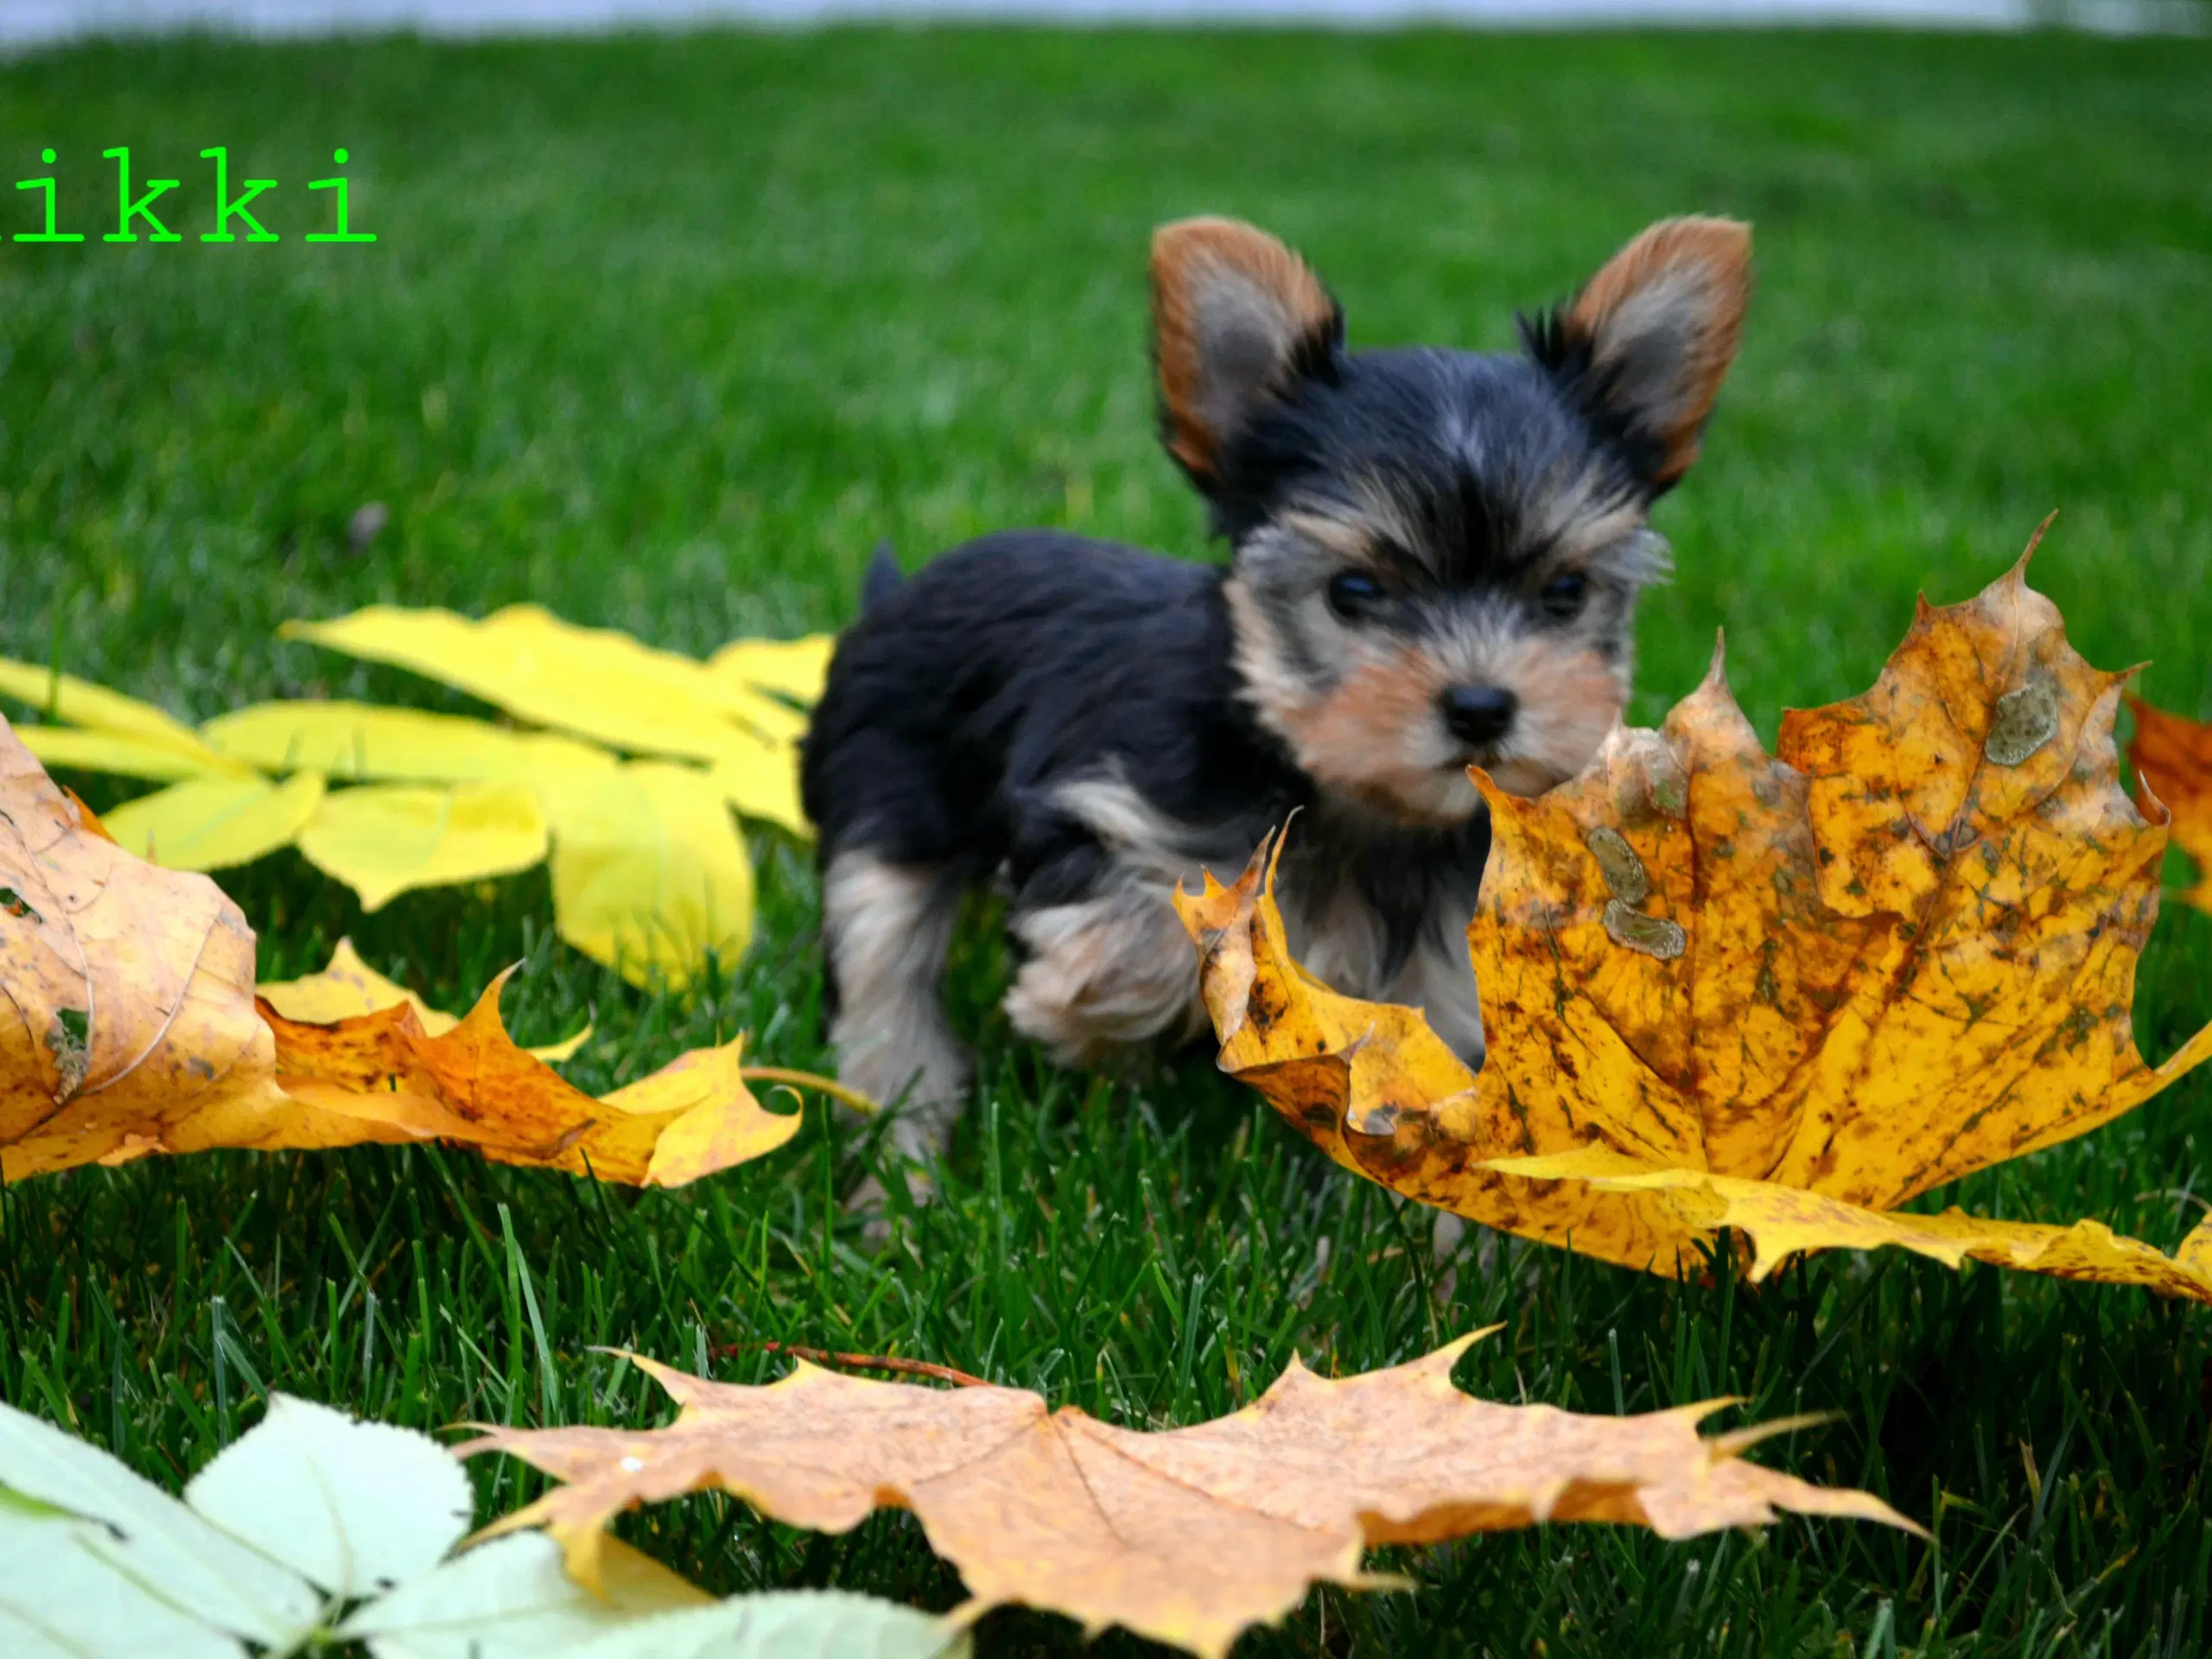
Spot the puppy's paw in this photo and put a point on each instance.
(872, 1204)
(871, 1201)
(911, 1148)
(1443, 1246)
(1445, 1236)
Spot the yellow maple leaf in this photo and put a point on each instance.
(1783, 994)
(788, 668)
(366, 741)
(81, 704)
(382, 840)
(1187, 1536)
(596, 682)
(649, 872)
(124, 754)
(214, 822)
(760, 778)
(731, 713)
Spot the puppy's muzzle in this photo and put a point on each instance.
(1478, 715)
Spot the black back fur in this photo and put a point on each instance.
(1030, 659)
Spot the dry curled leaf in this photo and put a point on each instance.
(126, 992)
(1783, 994)
(1187, 1536)
(129, 1026)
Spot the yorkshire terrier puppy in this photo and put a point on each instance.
(1436, 558)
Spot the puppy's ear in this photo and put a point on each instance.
(1237, 318)
(1644, 346)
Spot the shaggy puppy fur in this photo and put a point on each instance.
(1435, 561)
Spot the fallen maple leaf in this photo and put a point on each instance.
(106, 731)
(593, 681)
(1187, 1536)
(2170, 759)
(1783, 995)
(349, 985)
(650, 874)
(215, 822)
(129, 1026)
(472, 1085)
(126, 992)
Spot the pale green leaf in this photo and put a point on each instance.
(64, 1596)
(97, 1564)
(80, 703)
(784, 1624)
(357, 1507)
(211, 823)
(361, 740)
(160, 1543)
(382, 839)
(17, 1504)
(124, 754)
(511, 1599)
(649, 872)
(601, 683)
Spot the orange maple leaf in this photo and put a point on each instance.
(1783, 994)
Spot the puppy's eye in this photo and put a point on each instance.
(1354, 594)
(1563, 595)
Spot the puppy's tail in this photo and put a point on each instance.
(883, 578)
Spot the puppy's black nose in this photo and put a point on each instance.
(1478, 713)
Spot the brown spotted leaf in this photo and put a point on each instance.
(1779, 994)
(1188, 1536)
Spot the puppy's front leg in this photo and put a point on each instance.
(1440, 981)
(887, 928)
(1105, 974)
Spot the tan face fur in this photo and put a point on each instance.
(1358, 702)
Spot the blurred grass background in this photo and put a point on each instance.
(666, 333)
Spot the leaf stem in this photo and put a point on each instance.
(852, 1098)
(858, 1362)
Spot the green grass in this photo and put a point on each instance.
(666, 333)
